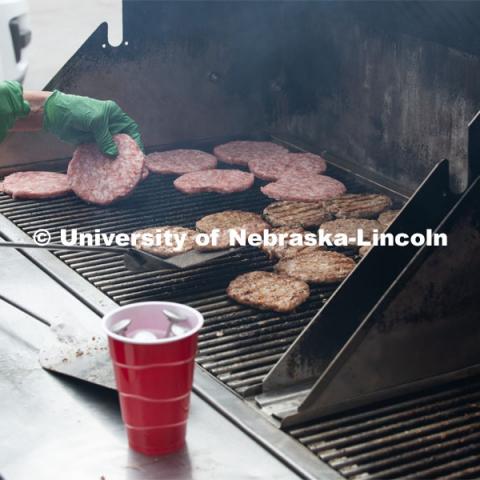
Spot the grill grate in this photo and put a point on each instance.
(434, 434)
(238, 344)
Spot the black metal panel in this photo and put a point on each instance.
(328, 332)
(423, 329)
(474, 147)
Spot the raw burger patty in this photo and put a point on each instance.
(268, 291)
(36, 185)
(296, 214)
(98, 179)
(288, 250)
(386, 218)
(304, 188)
(358, 205)
(165, 250)
(350, 226)
(220, 181)
(242, 151)
(317, 267)
(273, 167)
(181, 161)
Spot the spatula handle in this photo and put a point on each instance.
(59, 246)
(24, 310)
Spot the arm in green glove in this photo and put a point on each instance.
(78, 120)
(12, 106)
(71, 118)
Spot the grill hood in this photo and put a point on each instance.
(374, 84)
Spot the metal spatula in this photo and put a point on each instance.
(135, 260)
(81, 355)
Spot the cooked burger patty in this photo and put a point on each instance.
(162, 249)
(358, 205)
(350, 227)
(293, 214)
(362, 251)
(303, 187)
(386, 218)
(223, 240)
(220, 181)
(273, 167)
(268, 291)
(98, 179)
(227, 221)
(36, 185)
(317, 267)
(231, 219)
(180, 161)
(290, 246)
(240, 152)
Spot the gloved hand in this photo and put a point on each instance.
(77, 120)
(12, 106)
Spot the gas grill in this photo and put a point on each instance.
(377, 377)
(239, 345)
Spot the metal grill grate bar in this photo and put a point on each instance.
(403, 463)
(431, 435)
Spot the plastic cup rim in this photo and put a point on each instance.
(157, 341)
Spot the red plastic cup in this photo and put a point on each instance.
(154, 376)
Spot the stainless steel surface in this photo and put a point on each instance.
(55, 428)
(259, 427)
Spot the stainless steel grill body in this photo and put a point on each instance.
(385, 89)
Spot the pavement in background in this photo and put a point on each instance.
(59, 28)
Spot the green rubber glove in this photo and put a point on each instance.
(78, 120)
(12, 106)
